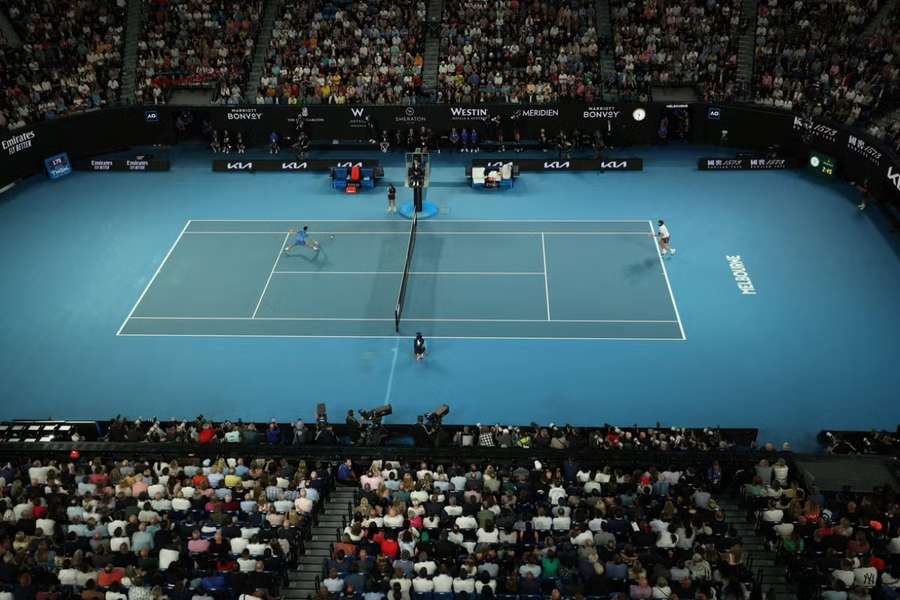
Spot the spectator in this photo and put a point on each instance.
(205, 43)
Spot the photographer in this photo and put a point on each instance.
(353, 427)
(421, 433)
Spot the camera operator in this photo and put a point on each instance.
(353, 427)
(421, 433)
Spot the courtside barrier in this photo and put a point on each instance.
(131, 164)
(87, 135)
(244, 165)
(748, 164)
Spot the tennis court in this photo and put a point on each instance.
(466, 279)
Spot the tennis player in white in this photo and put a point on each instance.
(663, 234)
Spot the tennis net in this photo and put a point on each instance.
(401, 297)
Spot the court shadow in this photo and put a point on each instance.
(640, 268)
(319, 258)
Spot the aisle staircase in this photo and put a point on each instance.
(605, 33)
(134, 26)
(271, 9)
(759, 558)
(305, 581)
(8, 35)
(746, 47)
(433, 18)
(879, 18)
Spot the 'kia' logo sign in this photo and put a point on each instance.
(239, 166)
(557, 165)
(894, 178)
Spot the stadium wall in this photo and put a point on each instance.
(109, 130)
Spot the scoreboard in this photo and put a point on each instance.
(822, 164)
(58, 166)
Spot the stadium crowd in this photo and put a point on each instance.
(196, 43)
(343, 53)
(534, 52)
(359, 430)
(535, 530)
(816, 62)
(685, 42)
(70, 59)
(836, 547)
(151, 529)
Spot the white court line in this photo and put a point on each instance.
(546, 284)
(668, 283)
(420, 232)
(394, 337)
(390, 384)
(269, 280)
(503, 273)
(395, 221)
(425, 320)
(263, 319)
(152, 279)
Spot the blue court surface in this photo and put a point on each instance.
(467, 279)
(512, 288)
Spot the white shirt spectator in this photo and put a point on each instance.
(541, 523)
(487, 537)
(428, 565)
(535, 570)
(117, 542)
(582, 538)
(556, 493)
(68, 576)
(334, 586)
(393, 521)
(466, 522)
(45, 525)
(894, 545)
(115, 526)
(404, 584)
(443, 583)
(246, 565)
(774, 515)
(167, 557)
(847, 577)
(38, 474)
(562, 523)
(256, 549)
(865, 577)
(464, 585)
(422, 585)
